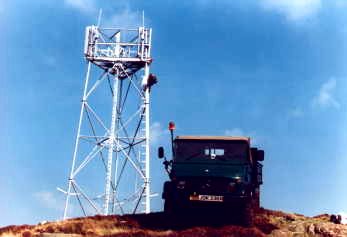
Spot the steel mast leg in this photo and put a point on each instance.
(147, 165)
(77, 140)
(112, 141)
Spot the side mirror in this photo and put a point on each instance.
(254, 153)
(161, 152)
(260, 155)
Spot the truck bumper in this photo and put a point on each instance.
(208, 199)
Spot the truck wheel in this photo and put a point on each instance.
(256, 203)
(168, 206)
(256, 199)
(248, 214)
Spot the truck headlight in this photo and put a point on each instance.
(237, 179)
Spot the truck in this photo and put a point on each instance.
(214, 172)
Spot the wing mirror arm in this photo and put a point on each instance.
(166, 163)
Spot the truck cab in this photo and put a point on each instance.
(222, 171)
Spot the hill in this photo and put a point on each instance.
(267, 223)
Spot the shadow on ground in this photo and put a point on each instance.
(210, 218)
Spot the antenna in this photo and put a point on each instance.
(112, 149)
(99, 17)
(143, 18)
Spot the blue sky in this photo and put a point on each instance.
(272, 70)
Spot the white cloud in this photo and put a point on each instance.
(49, 200)
(49, 60)
(123, 17)
(56, 202)
(234, 132)
(126, 18)
(86, 6)
(294, 10)
(296, 112)
(325, 97)
(158, 134)
(340, 3)
(240, 132)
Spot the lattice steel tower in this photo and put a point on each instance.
(111, 159)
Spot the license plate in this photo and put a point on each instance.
(206, 198)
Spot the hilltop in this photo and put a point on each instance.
(267, 223)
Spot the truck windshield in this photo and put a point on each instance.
(211, 150)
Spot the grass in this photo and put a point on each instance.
(267, 223)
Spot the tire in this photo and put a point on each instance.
(173, 213)
(256, 205)
(248, 214)
(168, 207)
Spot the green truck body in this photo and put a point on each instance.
(213, 171)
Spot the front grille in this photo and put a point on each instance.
(207, 185)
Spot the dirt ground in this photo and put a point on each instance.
(267, 223)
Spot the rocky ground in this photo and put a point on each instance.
(267, 223)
